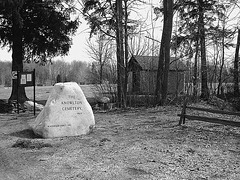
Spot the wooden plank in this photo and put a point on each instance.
(182, 118)
(214, 111)
(212, 120)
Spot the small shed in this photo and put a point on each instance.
(143, 74)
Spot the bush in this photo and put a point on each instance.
(234, 100)
(235, 103)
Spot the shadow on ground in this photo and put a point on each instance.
(26, 133)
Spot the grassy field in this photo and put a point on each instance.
(42, 92)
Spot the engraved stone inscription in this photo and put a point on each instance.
(59, 125)
(72, 104)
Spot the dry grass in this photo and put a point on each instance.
(135, 144)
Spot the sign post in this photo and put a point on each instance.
(15, 76)
(27, 79)
(34, 95)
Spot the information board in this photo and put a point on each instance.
(26, 78)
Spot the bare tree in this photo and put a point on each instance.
(77, 72)
(236, 71)
(120, 55)
(5, 73)
(100, 52)
(164, 55)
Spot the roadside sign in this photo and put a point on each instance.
(14, 74)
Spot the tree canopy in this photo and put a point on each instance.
(47, 27)
(35, 30)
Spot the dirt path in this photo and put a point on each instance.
(137, 144)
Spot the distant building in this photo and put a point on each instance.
(143, 74)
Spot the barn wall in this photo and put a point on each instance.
(130, 86)
(148, 82)
(175, 82)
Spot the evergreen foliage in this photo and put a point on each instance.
(47, 27)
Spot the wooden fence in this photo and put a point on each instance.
(184, 116)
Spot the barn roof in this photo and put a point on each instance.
(151, 63)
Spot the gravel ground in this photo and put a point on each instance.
(135, 144)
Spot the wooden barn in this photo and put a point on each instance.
(143, 74)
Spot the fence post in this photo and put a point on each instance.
(182, 117)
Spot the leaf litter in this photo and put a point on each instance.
(133, 144)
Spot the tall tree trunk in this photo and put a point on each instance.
(17, 53)
(164, 56)
(101, 73)
(222, 62)
(235, 71)
(101, 58)
(195, 70)
(158, 90)
(126, 49)
(120, 55)
(204, 90)
(169, 22)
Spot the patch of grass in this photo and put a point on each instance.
(42, 92)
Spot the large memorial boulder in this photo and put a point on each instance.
(66, 113)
